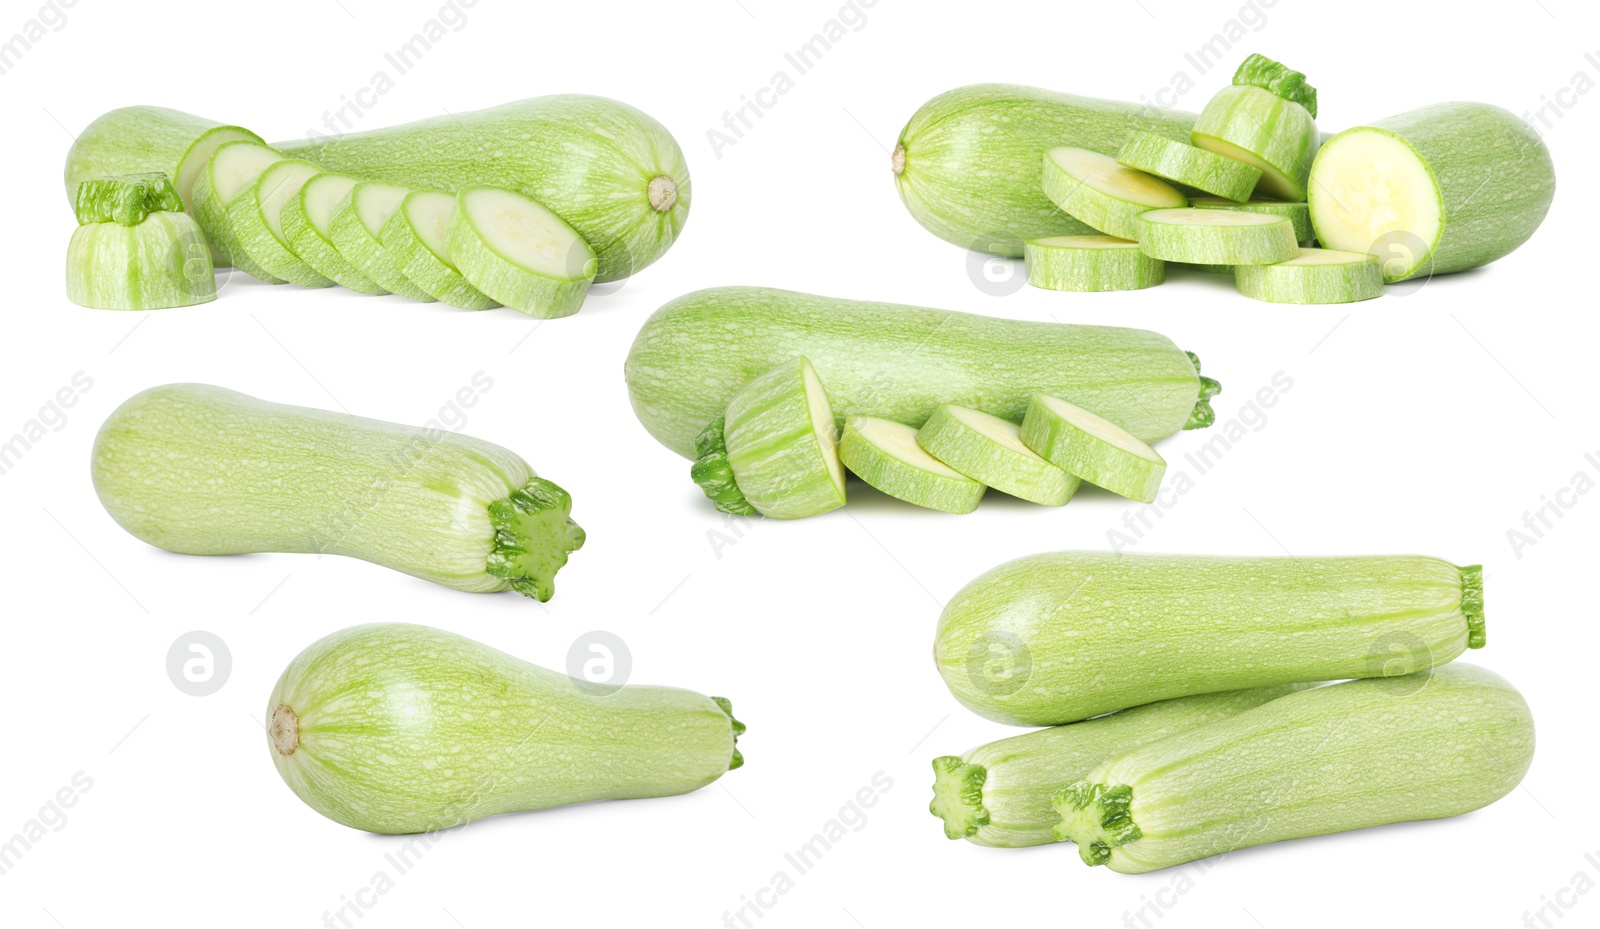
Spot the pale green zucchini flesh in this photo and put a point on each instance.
(202, 470)
(1090, 263)
(1444, 188)
(232, 170)
(990, 450)
(1102, 194)
(307, 225)
(1297, 213)
(1218, 237)
(518, 253)
(417, 236)
(968, 163)
(1422, 746)
(1093, 448)
(355, 228)
(885, 454)
(396, 729)
(255, 222)
(899, 362)
(1189, 165)
(1105, 631)
(1315, 276)
(1000, 794)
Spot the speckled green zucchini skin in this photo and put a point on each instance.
(396, 728)
(1190, 166)
(900, 362)
(1097, 632)
(204, 470)
(968, 163)
(1330, 759)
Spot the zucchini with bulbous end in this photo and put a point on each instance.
(1092, 448)
(232, 170)
(306, 220)
(900, 362)
(1267, 119)
(255, 222)
(515, 251)
(355, 227)
(1090, 263)
(885, 454)
(396, 728)
(1090, 632)
(1316, 275)
(1216, 237)
(990, 449)
(1297, 213)
(1189, 165)
(203, 470)
(135, 248)
(1104, 195)
(1000, 794)
(1330, 759)
(967, 164)
(1445, 188)
(417, 237)
(775, 452)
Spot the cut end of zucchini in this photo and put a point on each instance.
(1315, 276)
(534, 534)
(958, 796)
(1280, 80)
(126, 198)
(886, 455)
(1102, 194)
(1090, 264)
(714, 475)
(284, 730)
(1229, 237)
(1372, 192)
(663, 193)
(1097, 818)
(1202, 415)
(1189, 165)
(987, 448)
(1472, 605)
(161, 262)
(514, 250)
(1093, 448)
(736, 760)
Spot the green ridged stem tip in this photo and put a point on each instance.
(1097, 817)
(958, 796)
(1202, 415)
(126, 199)
(533, 535)
(1472, 605)
(1277, 79)
(714, 474)
(726, 705)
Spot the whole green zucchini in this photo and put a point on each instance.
(968, 164)
(203, 470)
(901, 362)
(1331, 759)
(1055, 638)
(397, 728)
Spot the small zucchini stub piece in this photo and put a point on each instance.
(1316, 275)
(1189, 165)
(1297, 213)
(1413, 747)
(307, 227)
(1216, 237)
(256, 220)
(1093, 448)
(1102, 194)
(517, 252)
(1266, 118)
(135, 248)
(1090, 264)
(775, 451)
(355, 227)
(417, 237)
(231, 170)
(989, 449)
(886, 455)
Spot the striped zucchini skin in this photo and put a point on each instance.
(899, 362)
(1249, 122)
(1331, 759)
(139, 139)
(969, 162)
(609, 170)
(1090, 632)
(396, 728)
(203, 470)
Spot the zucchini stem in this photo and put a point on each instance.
(534, 534)
(284, 730)
(663, 193)
(1472, 605)
(1097, 817)
(726, 706)
(958, 796)
(712, 472)
(1202, 415)
(898, 159)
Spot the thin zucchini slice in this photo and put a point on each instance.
(417, 236)
(990, 449)
(517, 252)
(307, 226)
(355, 228)
(1316, 275)
(1090, 263)
(885, 454)
(1217, 237)
(1102, 194)
(233, 167)
(1092, 447)
(255, 218)
(1297, 213)
(1189, 165)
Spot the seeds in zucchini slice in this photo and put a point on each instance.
(885, 454)
(989, 449)
(1316, 275)
(1297, 213)
(233, 167)
(1090, 263)
(255, 219)
(517, 252)
(355, 228)
(775, 452)
(1102, 194)
(306, 221)
(1190, 165)
(417, 236)
(1092, 447)
(1216, 237)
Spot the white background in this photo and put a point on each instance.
(1427, 423)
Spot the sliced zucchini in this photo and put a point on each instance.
(1316, 275)
(417, 237)
(233, 167)
(1266, 118)
(517, 252)
(1090, 263)
(306, 223)
(355, 227)
(990, 449)
(135, 248)
(1297, 213)
(1216, 237)
(886, 455)
(1093, 448)
(1102, 194)
(1190, 165)
(255, 218)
